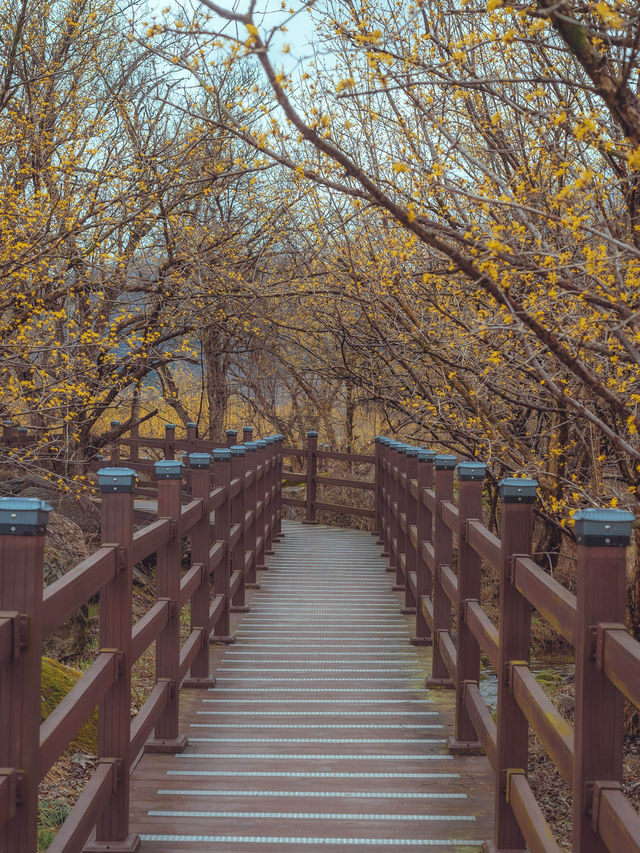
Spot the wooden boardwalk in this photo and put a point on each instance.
(319, 732)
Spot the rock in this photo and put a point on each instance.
(565, 704)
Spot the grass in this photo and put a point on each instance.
(51, 815)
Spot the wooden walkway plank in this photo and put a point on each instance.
(320, 732)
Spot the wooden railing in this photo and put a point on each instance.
(232, 515)
(418, 523)
(314, 479)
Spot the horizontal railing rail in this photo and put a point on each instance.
(232, 516)
(419, 524)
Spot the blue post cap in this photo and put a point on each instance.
(22, 430)
(101, 457)
(250, 446)
(115, 424)
(270, 439)
(312, 433)
(425, 455)
(169, 426)
(192, 425)
(23, 516)
(231, 432)
(444, 461)
(7, 423)
(261, 443)
(168, 469)
(116, 479)
(199, 460)
(471, 471)
(401, 448)
(603, 526)
(279, 436)
(518, 491)
(379, 439)
(412, 452)
(221, 454)
(238, 450)
(247, 429)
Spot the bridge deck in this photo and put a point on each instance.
(319, 732)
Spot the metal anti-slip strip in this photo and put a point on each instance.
(325, 842)
(305, 815)
(312, 740)
(366, 795)
(304, 774)
(303, 756)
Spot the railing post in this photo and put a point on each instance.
(169, 441)
(471, 481)
(261, 497)
(602, 536)
(134, 435)
(312, 473)
(270, 511)
(396, 503)
(517, 497)
(166, 737)
(222, 526)
(278, 444)
(192, 432)
(247, 434)
(424, 523)
(112, 829)
(22, 530)
(238, 516)
(443, 549)
(401, 546)
(251, 506)
(115, 443)
(377, 530)
(411, 515)
(232, 437)
(384, 515)
(199, 675)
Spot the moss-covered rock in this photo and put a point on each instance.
(56, 681)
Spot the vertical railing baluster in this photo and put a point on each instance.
(470, 481)
(221, 532)
(112, 830)
(22, 532)
(251, 500)
(169, 441)
(115, 443)
(166, 736)
(270, 518)
(279, 444)
(396, 504)
(238, 516)
(517, 501)
(444, 465)
(411, 513)
(384, 496)
(424, 523)
(200, 466)
(602, 536)
(312, 477)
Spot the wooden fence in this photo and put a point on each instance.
(418, 523)
(232, 523)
